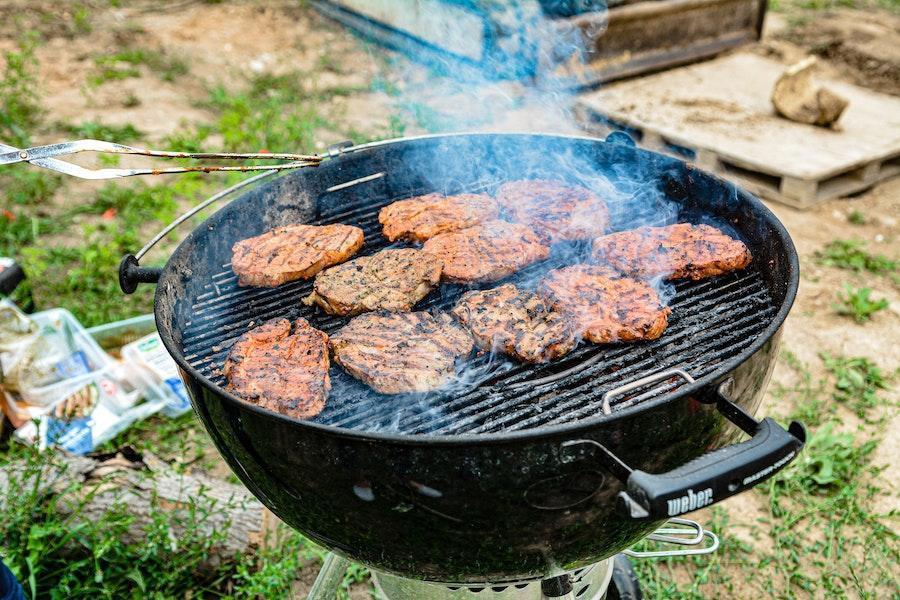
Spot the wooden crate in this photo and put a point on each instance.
(718, 115)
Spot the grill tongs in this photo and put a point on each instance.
(45, 156)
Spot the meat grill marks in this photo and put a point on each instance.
(293, 252)
(398, 353)
(486, 252)
(281, 370)
(556, 211)
(682, 251)
(515, 322)
(605, 306)
(391, 280)
(422, 217)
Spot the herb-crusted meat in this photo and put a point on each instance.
(555, 211)
(390, 280)
(293, 252)
(606, 306)
(682, 251)
(281, 370)
(397, 353)
(422, 217)
(486, 252)
(515, 322)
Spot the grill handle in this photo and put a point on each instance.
(716, 475)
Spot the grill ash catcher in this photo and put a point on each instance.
(529, 483)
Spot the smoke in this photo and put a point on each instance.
(527, 84)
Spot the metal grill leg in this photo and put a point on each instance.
(329, 578)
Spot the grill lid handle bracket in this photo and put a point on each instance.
(715, 475)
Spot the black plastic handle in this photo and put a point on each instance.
(714, 476)
(131, 274)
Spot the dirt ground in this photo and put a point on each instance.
(222, 42)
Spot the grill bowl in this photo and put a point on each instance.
(476, 485)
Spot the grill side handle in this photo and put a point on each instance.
(715, 475)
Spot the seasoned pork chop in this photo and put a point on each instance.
(606, 306)
(281, 370)
(486, 252)
(293, 252)
(397, 353)
(681, 251)
(391, 280)
(514, 322)
(555, 211)
(422, 217)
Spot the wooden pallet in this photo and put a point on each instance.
(718, 115)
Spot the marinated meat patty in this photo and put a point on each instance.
(682, 251)
(486, 252)
(281, 370)
(555, 211)
(398, 353)
(390, 280)
(293, 252)
(605, 306)
(422, 217)
(515, 322)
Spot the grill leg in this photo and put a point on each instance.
(329, 578)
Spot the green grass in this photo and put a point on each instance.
(858, 303)
(850, 255)
(858, 382)
(98, 130)
(127, 64)
(857, 218)
(20, 107)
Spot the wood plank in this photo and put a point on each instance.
(720, 111)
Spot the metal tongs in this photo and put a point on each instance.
(45, 156)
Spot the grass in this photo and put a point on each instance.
(850, 255)
(127, 64)
(858, 382)
(858, 303)
(98, 130)
(20, 108)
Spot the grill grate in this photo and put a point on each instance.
(712, 321)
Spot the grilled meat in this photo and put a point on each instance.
(555, 211)
(518, 323)
(281, 370)
(397, 353)
(605, 306)
(422, 217)
(391, 280)
(682, 251)
(293, 252)
(487, 252)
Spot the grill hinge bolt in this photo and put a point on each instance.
(23, 154)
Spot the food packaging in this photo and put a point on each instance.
(159, 372)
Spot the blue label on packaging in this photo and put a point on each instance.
(177, 387)
(72, 366)
(74, 436)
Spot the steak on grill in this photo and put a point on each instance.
(422, 217)
(606, 306)
(293, 252)
(515, 322)
(281, 370)
(673, 252)
(556, 211)
(392, 280)
(486, 252)
(397, 353)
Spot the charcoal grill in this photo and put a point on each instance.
(524, 472)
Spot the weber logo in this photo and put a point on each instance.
(690, 502)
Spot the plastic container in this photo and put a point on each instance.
(159, 372)
(113, 336)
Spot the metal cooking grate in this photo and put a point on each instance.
(711, 321)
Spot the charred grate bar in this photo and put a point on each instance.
(711, 321)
